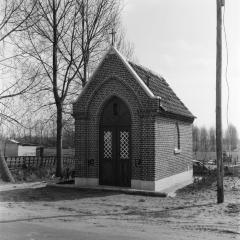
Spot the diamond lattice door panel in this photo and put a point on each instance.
(107, 156)
(115, 156)
(107, 145)
(124, 145)
(124, 156)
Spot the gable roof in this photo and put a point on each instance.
(153, 85)
(113, 50)
(159, 87)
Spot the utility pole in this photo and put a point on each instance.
(220, 194)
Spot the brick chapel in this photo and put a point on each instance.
(131, 130)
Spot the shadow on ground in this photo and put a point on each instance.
(50, 194)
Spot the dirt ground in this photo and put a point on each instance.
(35, 211)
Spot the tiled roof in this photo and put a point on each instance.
(159, 87)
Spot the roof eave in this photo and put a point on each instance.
(128, 66)
(135, 75)
(177, 116)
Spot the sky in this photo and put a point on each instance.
(177, 39)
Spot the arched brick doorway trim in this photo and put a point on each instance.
(115, 144)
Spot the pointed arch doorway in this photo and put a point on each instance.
(115, 144)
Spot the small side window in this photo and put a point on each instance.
(178, 136)
(177, 149)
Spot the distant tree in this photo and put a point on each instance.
(231, 137)
(204, 140)
(124, 46)
(212, 139)
(196, 139)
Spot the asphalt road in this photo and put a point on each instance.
(35, 212)
(45, 231)
(35, 231)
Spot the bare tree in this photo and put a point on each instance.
(123, 45)
(231, 137)
(13, 90)
(204, 140)
(196, 139)
(12, 18)
(212, 139)
(62, 38)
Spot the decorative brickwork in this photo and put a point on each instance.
(152, 139)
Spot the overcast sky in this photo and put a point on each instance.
(177, 39)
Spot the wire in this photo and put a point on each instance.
(226, 74)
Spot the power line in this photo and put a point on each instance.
(226, 72)
(226, 68)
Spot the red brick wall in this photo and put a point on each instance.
(114, 79)
(106, 84)
(167, 162)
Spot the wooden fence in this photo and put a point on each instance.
(33, 161)
(206, 156)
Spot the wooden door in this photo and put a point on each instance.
(115, 144)
(115, 156)
(107, 149)
(123, 157)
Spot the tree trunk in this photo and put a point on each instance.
(4, 170)
(59, 166)
(85, 64)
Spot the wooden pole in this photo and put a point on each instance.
(220, 194)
